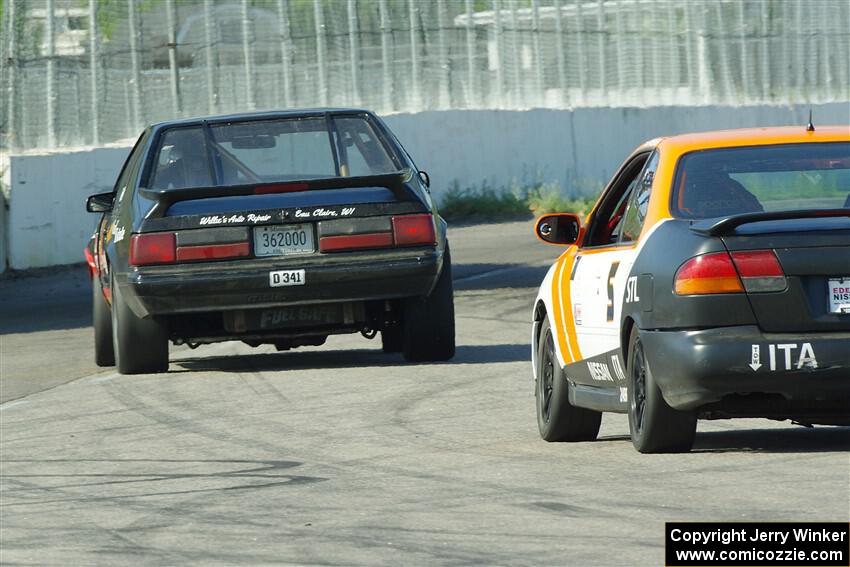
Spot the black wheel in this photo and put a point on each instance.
(392, 340)
(141, 345)
(428, 326)
(655, 426)
(557, 418)
(104, 354)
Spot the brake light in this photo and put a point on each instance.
(760, 271)
(213, 251)
(414, 230)
(153, 248)
(355, 241)
(707, 274)
(280, 188)
(90, 262)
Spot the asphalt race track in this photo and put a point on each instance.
(342, 455)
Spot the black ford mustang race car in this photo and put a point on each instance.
(270, 228)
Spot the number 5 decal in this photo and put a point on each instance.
(612, 273)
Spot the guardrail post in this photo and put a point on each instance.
(134, 64)
(210, 36)
(354, 52)
(172, 57)
(285, 52)
(321, 65)
(50, 31)
(247, 39)
(472, 91)
(95, 111)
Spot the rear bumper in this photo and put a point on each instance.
(714, 370)
(223, 286)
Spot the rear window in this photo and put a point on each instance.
(263, 151)
(730, 181)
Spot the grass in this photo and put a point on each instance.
(489, 203)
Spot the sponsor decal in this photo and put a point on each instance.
(612, 274)
(599, 371)
(631, 290)
(234, 219)
(324, 213)
(784, 356)
(117, 232)
(618, 368)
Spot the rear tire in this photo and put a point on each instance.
(392, 340)
(140, 345)
(655, 426)
(557, 418)
(428, 327)
(104, 354)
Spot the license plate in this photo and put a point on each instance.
(283, 278)
(839, 295)
(283, 240)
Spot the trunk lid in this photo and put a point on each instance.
(813, 249)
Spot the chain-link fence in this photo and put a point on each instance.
(93, 71)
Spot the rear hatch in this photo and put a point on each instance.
(813, 250)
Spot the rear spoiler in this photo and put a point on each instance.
(728, 224)
(395, 182)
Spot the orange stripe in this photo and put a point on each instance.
(569, 320)
(556, 307)
(561, 303)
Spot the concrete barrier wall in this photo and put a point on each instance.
(580, 149)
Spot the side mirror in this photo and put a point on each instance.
(100, 203)
(426, 179)
(558, 228)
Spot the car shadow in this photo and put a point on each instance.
(791, 440)
(361, 358)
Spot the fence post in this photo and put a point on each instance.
(176, 106)
(12, 62)
(559, 51)
(535, 39)
(285, 51)
(415, 100)
(582, 60)
(445, 69)
(471, 89)
(497, 39)
(386, 70)
(517, 56)
(247, 39)
(51, 76)
(209, 28)
(674, 52)
(603, 73)
(319, 17)
(745, 70)
(354, 52)
(134, 63)
(95, 125)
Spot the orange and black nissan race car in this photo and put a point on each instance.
(711, 280)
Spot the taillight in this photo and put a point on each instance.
(760, 271)
(414, 230)
(153, 248)
(355, 241)
(90, 262)
(213, 251)
(706, 274)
